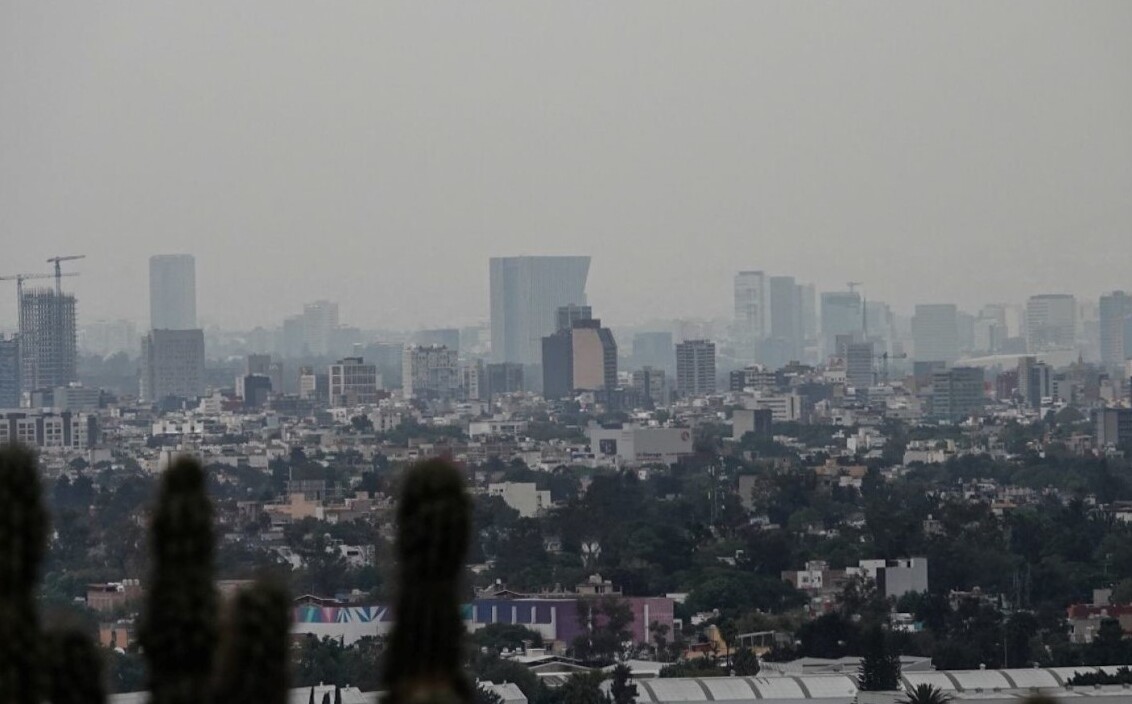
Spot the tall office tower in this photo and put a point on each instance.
(557, 364)
(841, 314)
(651, 385)
(859, 364)
(526, 292)
(695, 367)
(809, 303)
(430, 372)
(1051, 322)
(172, 292)
(1033, 382)
(351, 382)
(935, 333)
(786, 335)
(320, 322)
(172, 364)
(594, 354)
(750, 313)
(580, 358)
(10, 388)
(654, 349)
(566, 316)
(1116, 326)
(957, 393)
(504, 378)
(48, 343)
(473, 381)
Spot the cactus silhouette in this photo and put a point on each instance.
(179, 627)
(434, 522)
(23, 537)
(253, 662)
(75, 669)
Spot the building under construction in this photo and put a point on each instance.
(47, 339)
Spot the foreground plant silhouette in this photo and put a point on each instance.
(434, 525)
(23, 539)
(179, 627)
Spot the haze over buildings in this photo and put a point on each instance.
(942, 152)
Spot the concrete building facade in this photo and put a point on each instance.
(172, 364)
(695, 367)
(430, 372)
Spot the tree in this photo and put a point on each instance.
(483, 695)
(621, 688)
(880, 667)
(925, 694)
(583, 688)
(745, 663)
(606, 621)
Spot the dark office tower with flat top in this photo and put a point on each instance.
(526, 293)
(172, 292)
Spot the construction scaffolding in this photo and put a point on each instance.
(48, 341)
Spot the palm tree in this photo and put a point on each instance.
(925, 694)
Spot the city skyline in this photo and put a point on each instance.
(289, 153)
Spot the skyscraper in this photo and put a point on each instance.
(1115, 324)
(786, 334)
(935, 333)
(841, 314)
(695, 367)
(526, 292)
(9, 372)
(859, 365)
(172, 292)
(172, 364)
(582, 357)
(1051, 322)
(594, 354)
(320, 321)
(566, 316)
(750, 313)
(48, 343)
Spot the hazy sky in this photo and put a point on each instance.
(377, 153)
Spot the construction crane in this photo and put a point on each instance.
(853, 285)
(59, 271)
(884, 357)
(20, 279)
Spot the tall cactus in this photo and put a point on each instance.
(75, 669)
(23, 538)
(253, 662)
(179, 628)
(423, 659)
